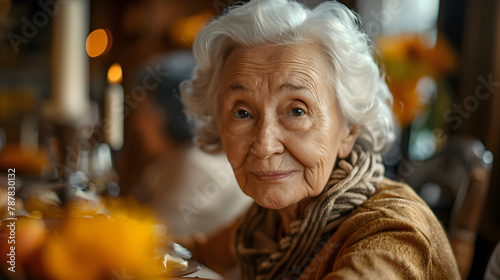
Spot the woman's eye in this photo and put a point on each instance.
(296, 112)
(241, 114)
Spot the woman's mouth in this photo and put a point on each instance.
(272, 175)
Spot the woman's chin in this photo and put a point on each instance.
(274, 201)
(272, 205)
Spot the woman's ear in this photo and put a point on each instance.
(348, 141)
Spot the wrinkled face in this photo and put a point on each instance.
(279, 122)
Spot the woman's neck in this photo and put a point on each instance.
(292, 213)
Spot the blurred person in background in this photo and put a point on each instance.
(189, 190)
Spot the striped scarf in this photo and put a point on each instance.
(352, 181)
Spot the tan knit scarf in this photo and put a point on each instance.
(352, 181)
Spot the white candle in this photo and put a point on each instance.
(113, 109)
(69, 89)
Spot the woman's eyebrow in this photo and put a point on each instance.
(236, 88)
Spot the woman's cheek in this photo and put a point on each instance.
(235, 141)
(292, 123)
(311, 148)
(239, 127)
(308, 152)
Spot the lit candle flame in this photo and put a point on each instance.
(115, 75)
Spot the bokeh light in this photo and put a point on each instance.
(184, 30)
(98, 42)
(115, 74)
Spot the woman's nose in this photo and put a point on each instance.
(267, 140)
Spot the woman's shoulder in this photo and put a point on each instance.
(394, 200)
(398, 232)
(390, 189)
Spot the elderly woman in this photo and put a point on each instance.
(295, 99)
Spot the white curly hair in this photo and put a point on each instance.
(359, 86)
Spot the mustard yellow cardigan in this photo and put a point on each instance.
(392, 235)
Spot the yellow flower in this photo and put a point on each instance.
(408, 58)
(94, 247)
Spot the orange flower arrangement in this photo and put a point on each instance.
(408, 58)
(93, 247)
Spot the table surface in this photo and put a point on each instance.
(203, 273)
